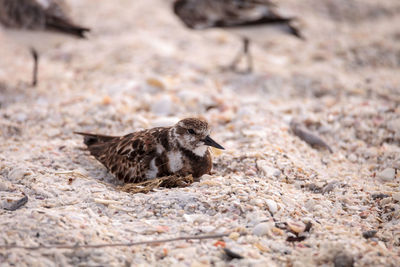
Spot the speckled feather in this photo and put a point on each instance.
(152, 153)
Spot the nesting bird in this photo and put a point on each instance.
(178, 150)
(38, 24)
(246, 17)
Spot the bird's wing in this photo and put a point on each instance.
(58, 20)
(225, 13)
(127, 157)
(38, 15)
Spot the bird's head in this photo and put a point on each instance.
(194, 134)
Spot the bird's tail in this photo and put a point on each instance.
(92, 139)
(293, 25)
(66, 27)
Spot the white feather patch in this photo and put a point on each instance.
(200, 150)
(175, 161)
(152, 172)
(160, 149)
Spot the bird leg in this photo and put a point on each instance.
(235, 61)
(35, 66)
(246, 51)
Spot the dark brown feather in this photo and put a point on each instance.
(127, 157)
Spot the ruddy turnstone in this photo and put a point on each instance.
(178, 150)
(39, 24)
(245, 17)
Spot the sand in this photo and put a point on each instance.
(141, 68)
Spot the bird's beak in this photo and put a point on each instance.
(210, 142)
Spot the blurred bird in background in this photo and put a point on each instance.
(245, 17)
(38, 24)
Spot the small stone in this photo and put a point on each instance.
(21, 117)
(272, 206)
(276, 173)
(207, 228)
(14, 204)
(396, 196)
(257, 202)
(234, 236)
(106, 100)
(353, 158)
(329, 187)
(343, 260)
(369, 234)
(394, 125)
(296, 227)
(192, 218)
(263, 228)
(310, 204)
(379, 196)
(268, 170)
(17, 174)
(5, 185)
(154, 82)
(387, 174)
(364, 214)
(231, 254)
(314, 188)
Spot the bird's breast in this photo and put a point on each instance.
(175, 161)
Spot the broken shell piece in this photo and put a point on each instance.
(308, 137)
(296, 227)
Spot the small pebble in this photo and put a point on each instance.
(394, 125)
(262, 228)
(15, 204)
(5, 185)
(353, 158)
(17, 174)
(387, 174)
(369, 234)
(396, 196)
(268, 170)
(310, 204)
(258, 202)
(343, 260)
(379, 196)
(272, 206)
(329, 187)
(231, 254)
(234, 236)
(296, 227)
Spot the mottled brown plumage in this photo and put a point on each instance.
(178, 150)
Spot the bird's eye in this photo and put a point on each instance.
(191, 131)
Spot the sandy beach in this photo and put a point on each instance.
(279, 201)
